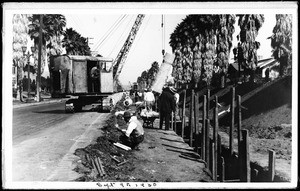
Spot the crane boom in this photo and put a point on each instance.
(121, 57)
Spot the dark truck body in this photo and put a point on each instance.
(72, 76)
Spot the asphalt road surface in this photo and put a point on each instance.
(45, 138)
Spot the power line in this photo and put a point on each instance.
(138, 39)
(110, 32)
(107, 31)
(125, 31)
(113, 30)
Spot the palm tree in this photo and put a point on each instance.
(152, 72)
(20, 34)
(247, 49)
(53, 25)
(281, 42)
(58, 24)
(199, 43)
(74, 43)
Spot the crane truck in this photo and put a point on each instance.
(89, 79)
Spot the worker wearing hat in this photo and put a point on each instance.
(166, 106)
(134, 133)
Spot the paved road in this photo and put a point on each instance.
(45, 138)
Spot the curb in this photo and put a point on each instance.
(38, 103)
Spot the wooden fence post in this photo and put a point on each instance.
(215, 136)
(255, 175)
(203, 128)
(207, 143)
(244, 155)
(222, 171)
(172, 120)
(183, 114)
(213, 164)
(239, 135)
(271, 165)
(208, 103)
(191, 118)
(197, 124)
(175, 121)
(239, 122)
(232, 121)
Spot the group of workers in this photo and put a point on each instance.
(167, 102)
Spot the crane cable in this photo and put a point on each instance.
(125, 31)
(110, 31)
(163, 34)
(138, 38)
(104, 36)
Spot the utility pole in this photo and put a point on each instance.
(38, 81)
(88, 40)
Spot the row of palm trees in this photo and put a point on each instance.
(55, 35)
(203, 42)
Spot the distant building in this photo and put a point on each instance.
(263, 65)
(271, 64)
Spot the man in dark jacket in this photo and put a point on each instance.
(166, 107)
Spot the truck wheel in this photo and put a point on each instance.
(70, 106)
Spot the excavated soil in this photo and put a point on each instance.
(163, 157)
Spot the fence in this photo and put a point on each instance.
(202, 133)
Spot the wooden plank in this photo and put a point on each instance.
(232, 120)
(203, 128)
(192, 115)
(98, 166)
(122, 146)
(101, 166)
(183, 114)
(271, 165)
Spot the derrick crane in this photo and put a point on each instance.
(118, 63)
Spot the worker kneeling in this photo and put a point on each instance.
(134, 134)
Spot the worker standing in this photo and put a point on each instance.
(134, 134)
(95, 73)
(149, 99)
(166, 107)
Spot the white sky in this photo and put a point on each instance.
(147, 45)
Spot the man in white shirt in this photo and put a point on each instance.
(134, 134)
(149, 99)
